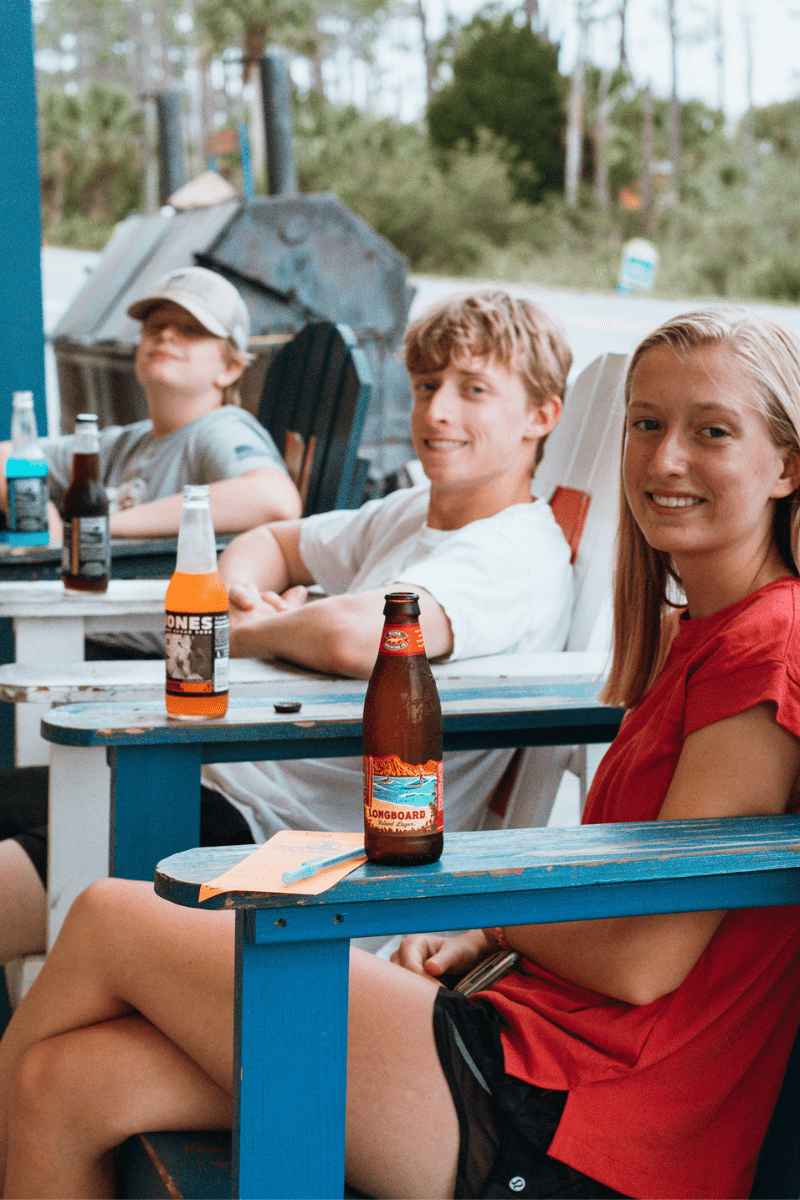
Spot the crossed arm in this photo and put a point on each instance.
(263, 494)
(746, 765)
(267, 579)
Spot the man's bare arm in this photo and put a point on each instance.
(265, 494)
(339, 634)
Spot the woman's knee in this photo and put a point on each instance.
(53, 1084)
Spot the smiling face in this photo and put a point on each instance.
(177, 353)
(700, 470)
(476, 429)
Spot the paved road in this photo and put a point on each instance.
(594, 322)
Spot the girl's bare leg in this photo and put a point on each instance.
(78, 1095)
(123, 949)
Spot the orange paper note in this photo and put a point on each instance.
(262, 870)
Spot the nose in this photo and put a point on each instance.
(669, 455)
(441, 406)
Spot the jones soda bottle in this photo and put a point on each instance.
(26, 478)
(86, 553)
(402, 744)
(196, 618)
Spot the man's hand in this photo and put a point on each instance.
(247, 598)
(433, 955)
(250, 611)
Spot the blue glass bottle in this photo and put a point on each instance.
(26, 478)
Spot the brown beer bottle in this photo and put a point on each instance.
(86, 552)
(402, 744)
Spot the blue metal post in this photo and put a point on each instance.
(21, 317)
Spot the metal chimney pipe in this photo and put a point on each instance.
(172, 172)
(277, 100)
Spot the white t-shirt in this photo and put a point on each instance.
(505, 583)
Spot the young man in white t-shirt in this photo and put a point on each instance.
(490, 565)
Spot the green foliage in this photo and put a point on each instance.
(506, 80)
(780, 125)
(90, 147)
(444, 214)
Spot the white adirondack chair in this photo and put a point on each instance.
(579, 474)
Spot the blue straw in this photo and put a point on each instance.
(307, 869)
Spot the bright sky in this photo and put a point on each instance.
(775, 26)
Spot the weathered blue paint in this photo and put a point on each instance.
(131, 558)
(319, 386)
(155, 800)
(21, 316)
(156, 762)
(482, 879)
(293, 1069)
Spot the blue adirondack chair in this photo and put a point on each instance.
(293, 1052)
(314, 402)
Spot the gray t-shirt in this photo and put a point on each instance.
(222, 444)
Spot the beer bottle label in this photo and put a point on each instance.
(86, 549)
(196, 647)
(27, 504)
(401, 797)
(402, 639)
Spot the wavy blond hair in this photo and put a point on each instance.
(644, 577)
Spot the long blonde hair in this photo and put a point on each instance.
(646, 582)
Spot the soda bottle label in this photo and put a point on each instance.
(27, 504)
(401, 797)
(196, 646)
(86, 549)
(402, 639)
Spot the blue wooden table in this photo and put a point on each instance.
(131, 558)
(155, 762)
(290, 1037)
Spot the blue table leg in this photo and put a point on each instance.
(291, 1042)
(155, 806)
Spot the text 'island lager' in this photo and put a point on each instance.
(86, 550)
(402, 744)
(196, 618)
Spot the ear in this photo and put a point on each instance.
(789, 478)
(230, 372)
(543, 416)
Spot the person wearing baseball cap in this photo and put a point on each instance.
(192, 351)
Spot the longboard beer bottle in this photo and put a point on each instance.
(402, 744)
(26, 478)
(86, 552)
(196, 618)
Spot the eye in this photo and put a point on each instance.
(714, 432)
(646, 425)
(424, 387)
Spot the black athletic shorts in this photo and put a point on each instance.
(23, 816)
(506, 1125)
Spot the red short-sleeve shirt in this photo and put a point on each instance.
(673, 1098)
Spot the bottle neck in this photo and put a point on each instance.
(197, 546)
(401, 638)
(86, 439)
(24, 436)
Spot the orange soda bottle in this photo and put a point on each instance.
(196, 618)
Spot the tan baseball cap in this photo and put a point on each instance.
(214, 302)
